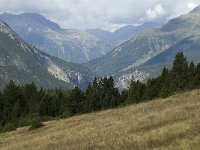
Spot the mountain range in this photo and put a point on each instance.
(68, 44)
(24, 63)
(122, 34)
(144, 55)
(141, 57)
(44, 68)
(72, 45)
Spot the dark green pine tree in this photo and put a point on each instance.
(113, 93)
(76, 101)
(95, 84)
(191, 73)
(96, 94)
(109, 94)
(47, 106)
(41, 94)
(15, 104)
(2, 107)
(152, 90)
(165, 83)
(30, 95)
(100, 103)
(196, 80)
(135, 92)
(124, 96)
(88, 106)
(179, 72)
(60, 101)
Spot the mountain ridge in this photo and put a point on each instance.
(146, 45)
(24, 63)
(130, 59)
(50, 38)
(122, 34)
(196, 10)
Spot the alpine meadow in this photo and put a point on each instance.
(100, 75)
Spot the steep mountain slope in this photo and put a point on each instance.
(71, 45)
(189, 46)
(171, 123)
(146, 45)
(101, 34)
(122, 34)
(24, 63)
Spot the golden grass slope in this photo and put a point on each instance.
(172, 123)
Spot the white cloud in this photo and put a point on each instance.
(192, 5)
(182, 7)
(107, 14)
(156, 12)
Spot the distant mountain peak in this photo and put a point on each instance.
(196, 10)
(30, 17)
(32, 14)
(28, 14)
(122, 34)
(4, 28)
(3, 24)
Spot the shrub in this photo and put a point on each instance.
(66, 114)
(36, 124)
(24, 122)
(8, 127)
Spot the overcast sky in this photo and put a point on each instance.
(106, 14)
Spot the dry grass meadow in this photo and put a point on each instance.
(172, 123)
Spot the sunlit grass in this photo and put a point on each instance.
(172, 123)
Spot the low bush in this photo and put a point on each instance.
(8, 127)
(66, 114)
(36, 124)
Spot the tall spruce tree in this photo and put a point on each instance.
(76, 101)
(47, 106)
(135, 92)
(179, 71)
(15, 105)
(165, 83)
(191, 74)
(197, 77)
(31, 97)
(2, 105)
(88, 107)
(152, 88)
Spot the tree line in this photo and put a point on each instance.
(21, 104)
(182, 76)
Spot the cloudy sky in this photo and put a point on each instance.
(106, 14)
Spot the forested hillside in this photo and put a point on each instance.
(21, 104)
(164, 124)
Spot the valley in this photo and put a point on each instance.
(99, 75)
(157, 45)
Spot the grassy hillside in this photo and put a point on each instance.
(172, 123)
